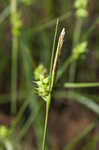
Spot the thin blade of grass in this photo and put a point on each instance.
(53, 51)
(4, 14)
(48, 24)
(14, 74)
(93, 26)
(82, 135)
(84, 100)
(29, 122)
(88, 102)
(14, 59)
(63, 68)
(19, 115)
(27, 66)
(80, 85)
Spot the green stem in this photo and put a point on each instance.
(53, 48)
(80, 85)
(46, 121)
(77, 32)
(52, 77)
(72, 70)
(76, 38)
(14, 74)
(53, 53)
(14, 60)
(51, 86)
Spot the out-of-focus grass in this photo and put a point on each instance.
(80, 85)
(80, 136)
(88, 102)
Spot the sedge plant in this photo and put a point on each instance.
(45, 82)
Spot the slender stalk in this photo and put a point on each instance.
(46, 121)
(76, 37)
(52, 78)
(49, 97)
(53, 48)
(72, 70)
(80, 85)
(14, 60)
(77, 32)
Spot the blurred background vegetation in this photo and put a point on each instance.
(26, 36)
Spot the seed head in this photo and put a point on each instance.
(61, 39)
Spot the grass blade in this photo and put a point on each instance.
(81, 85)
(53, 49)
(82, 135)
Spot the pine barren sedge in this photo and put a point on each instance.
(45, 82)
(52, 76)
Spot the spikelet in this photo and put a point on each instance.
(42, 79)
